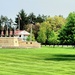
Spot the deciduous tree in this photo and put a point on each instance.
(67, 34)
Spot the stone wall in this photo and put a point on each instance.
(8, 41)
(13, 42)
(29, 44)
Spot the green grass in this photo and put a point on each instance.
(42, 61)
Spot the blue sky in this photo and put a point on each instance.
(10, 8)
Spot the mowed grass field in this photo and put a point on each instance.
(40, 61)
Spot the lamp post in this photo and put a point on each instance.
(18, 22)
(31, 33)
(32, 23)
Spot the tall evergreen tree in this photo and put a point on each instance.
(39, 19)
(32, 17)
(23, 19)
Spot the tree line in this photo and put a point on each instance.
(44, 27)
(49, 30)
(26, 19)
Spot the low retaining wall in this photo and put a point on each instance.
(8, 41)
(14, 42)
(29, 44)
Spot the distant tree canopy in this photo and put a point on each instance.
(56, 22)
(45, 32)
(46, 29)
(25, 19)
(67, 33)
(3, 18)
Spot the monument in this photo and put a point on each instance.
(5, 28)
(10, 41)
(7, 40)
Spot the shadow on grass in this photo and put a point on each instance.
(60, 57)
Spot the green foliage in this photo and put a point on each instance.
(26, 19)
(33, 38)
(3, 18)
(67, 34)
(32, 17)
(35, 29)
(42, 36)
(53, 38)
(43, 27)
(44, 32)
(40, 19)
(56, 22)
(23, 19)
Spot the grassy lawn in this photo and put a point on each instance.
(42, 61)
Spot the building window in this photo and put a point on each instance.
(30, 42)
(26, 42)
(19, 35)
